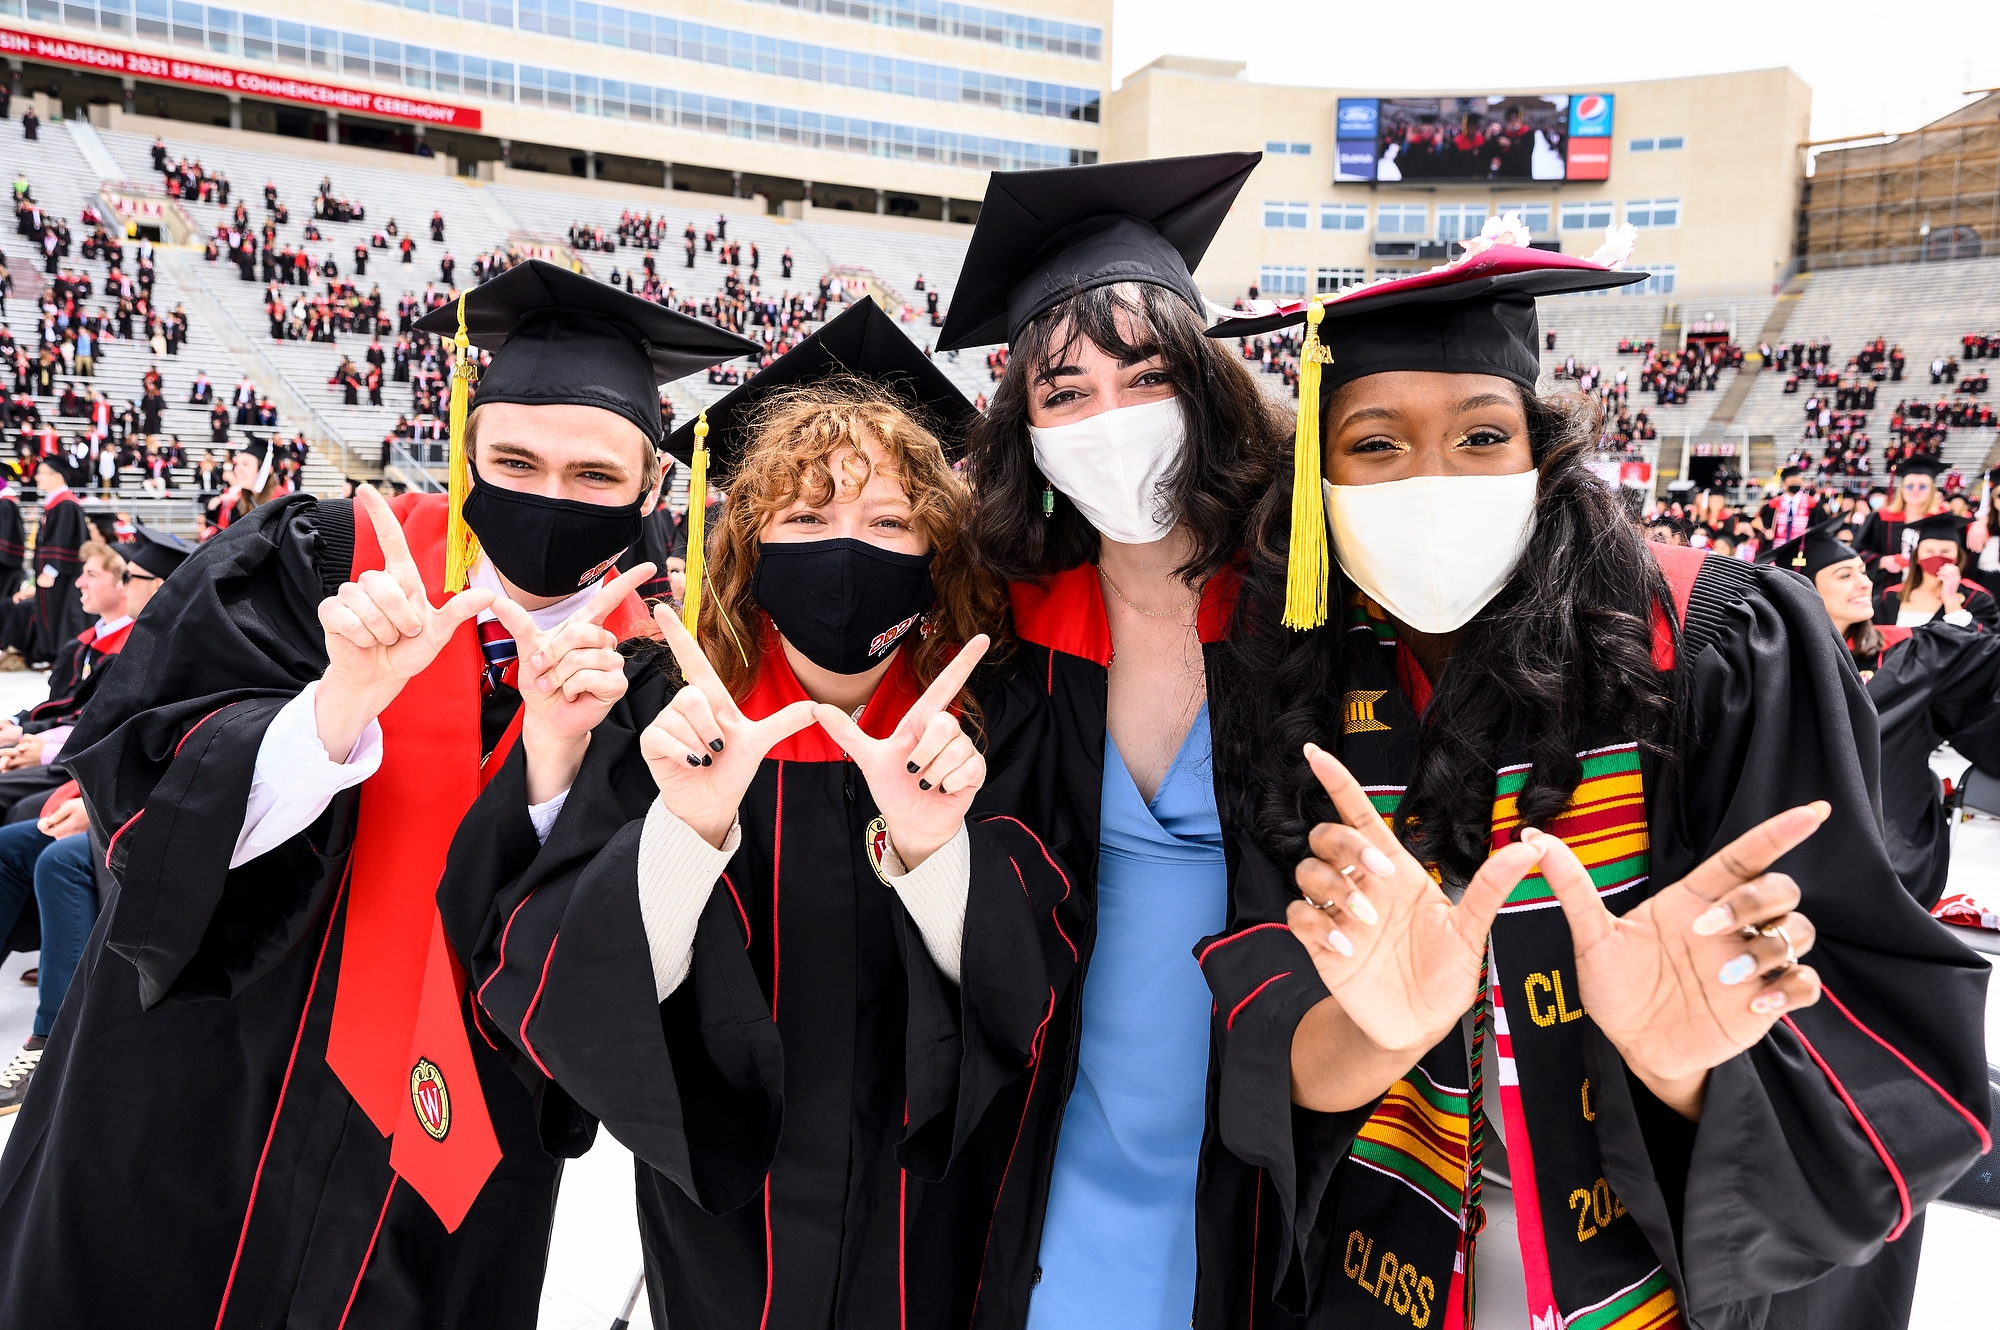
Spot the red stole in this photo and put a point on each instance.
(398, 1040)
(777, 687)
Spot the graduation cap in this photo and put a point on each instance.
(1789, 470)
(1918, 466)
(863, 341)
(73, 473)
(1044, 236)
(1942, 526)
(1818, 548)
(1474, 315)
(158, 552)
(560, 339)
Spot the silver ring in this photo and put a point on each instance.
(1316, 905)
(1347, 871)
(1791, 952)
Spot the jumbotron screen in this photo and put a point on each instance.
(1553, 136)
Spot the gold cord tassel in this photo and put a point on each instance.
(697, 520)
(1306, 567)
(460, 545)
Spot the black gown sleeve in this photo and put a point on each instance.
(556, 955)
(1264, 983)
(167, 748)
(1826, 1139)
(968, 1042)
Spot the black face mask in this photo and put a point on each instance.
(548, 547)
(844, 603)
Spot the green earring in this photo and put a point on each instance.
(1048, 501)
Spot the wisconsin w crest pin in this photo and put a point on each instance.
(430, 1098)
(876, 841)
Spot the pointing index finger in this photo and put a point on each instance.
(692, 660)
(396, 558)
(946, 686)
(613, 594)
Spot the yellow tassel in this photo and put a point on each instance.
(697, 520)
(460, 545)
(1306, 568)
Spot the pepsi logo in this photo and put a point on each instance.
(1590, 106)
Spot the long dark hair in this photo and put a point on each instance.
(1559, 662)
(1236, 435)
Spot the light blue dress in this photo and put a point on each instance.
(1118, 1244)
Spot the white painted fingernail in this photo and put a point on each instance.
(1376, 862)
(1713, 920)
(1338, 941)
(1737, 969)
(1362, 908)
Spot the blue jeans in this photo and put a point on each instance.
(21, 844)
(66, 894)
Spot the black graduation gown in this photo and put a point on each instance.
(1880, 535)
(1940, 686)
(59, 614)
(656, 542)
(1814, 1147)
(812, 1002)
(1982, 607)
(13, 544)
(186, 1157)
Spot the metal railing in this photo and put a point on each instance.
(417, 473)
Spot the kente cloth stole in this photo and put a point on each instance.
(1409, 1210)
(398, 1040)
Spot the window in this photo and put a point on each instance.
(1460, 221)
(1277, 149)
(1653, 213)
(1385, 274)
(1536, 215)
(1343, 217)
(1285, 216)
(1401, 219)
(1673, 143)
(1273, 280)
(1594, 215)
(1659, 280)
(1329, 280)
(1640, 145)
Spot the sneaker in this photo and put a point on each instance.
(14, 1079)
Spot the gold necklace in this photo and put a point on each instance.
(1150, 614)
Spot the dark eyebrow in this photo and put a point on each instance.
(611, 466)
(1368, 413)
(1053, 372)
(1480, 401)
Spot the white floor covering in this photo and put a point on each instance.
(594, 1252)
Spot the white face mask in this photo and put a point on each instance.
(1432, 550)
(1111, 466)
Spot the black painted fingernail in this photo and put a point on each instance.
(914, 768)
(707, 761)
(923, 785)
(715, 745)
(693, 761)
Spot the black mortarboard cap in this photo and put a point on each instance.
(256, 447)
(1475, 316)
(158, 552)
(1918, 466)
(73, 473)
(862, 341)
(1818, 548)
(1942, 526)
(1043, 236)
(1789, 470)
(559, 338)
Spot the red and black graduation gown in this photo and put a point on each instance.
(79, 670)
(13, 543)
(1933, 684)
(59, 613)
(1796, 1201)
(1881, 536)
(205, 1143)
(822, 1119)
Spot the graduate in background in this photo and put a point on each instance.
(251, 481)
(1500, 773)
(820, 884)
(1115, 472)
(1934, 588)
(59, 615)
(1884, 540)
(264, 1076)
(1936, 683)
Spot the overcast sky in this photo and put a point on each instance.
(1871, 67)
